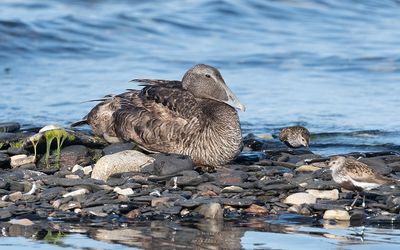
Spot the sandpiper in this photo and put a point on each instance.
(356, 176)
(295, 136)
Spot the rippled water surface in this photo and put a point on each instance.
(331, 65)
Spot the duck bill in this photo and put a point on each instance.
(233, 101)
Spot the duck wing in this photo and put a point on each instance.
(158, 118)
(157, 82)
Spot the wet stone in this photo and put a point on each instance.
(300, 198)
(183, 181)
(16, 151)
(117, 147)
(74, 155)
(228, 177)
(9, 127)
(4, 160)
(5, 214)
(168, 164)
(18, 160)
(211, 211)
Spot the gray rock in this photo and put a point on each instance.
(212, 211)
(4, 161)
(52, 193)
(125, 161)
(8, 127)
(169, 164)
(18, 160)
(228, 177)
(5, 214)
(7, 137)
(117, 147)
(16, 151)
(74, 155)
(183, 181)
(237, 202)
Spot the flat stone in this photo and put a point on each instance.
(18, 160)
(183, 181)
(300, 198)
(9, 127)
(232, 189)
(125, 191)
(212, 211)
(15, 196)
(256, 209)
(76, 193)
(52, 193)
(169, 164)
(74, 155)
(163, 201)
(336, 214)
(307, 168)
(70, 205)
(228, 177)
(21, 222)
(124, 161)
(5, 214)
(237, 202)
(117, 147)
(4, 160)
(324, 194)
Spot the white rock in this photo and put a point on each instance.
(211, 211)
(336, 214)
(124, 161)
(125, 191)
(324, 194)
(87, 170)
(76, 192)
(232, 189)
(300, 198)
(307, 168)
(294, 209)
(50, 127)
(72, 176)
(19, 160)
(76, 168)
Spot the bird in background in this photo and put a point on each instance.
(354, 175)
(295, 136)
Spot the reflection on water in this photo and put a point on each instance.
(281, 232)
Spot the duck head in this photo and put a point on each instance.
(205, 81)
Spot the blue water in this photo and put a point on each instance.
(331, 65)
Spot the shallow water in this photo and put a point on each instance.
(331, 65)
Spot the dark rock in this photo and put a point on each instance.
(395, 166)
(241, 202)
(8, 137)
(52, 193)
(191, 203)
(227, 177)
(16, 151)
(9, 127)
(253, 143)
(182, 181)
(74, 155)
(168, 164)
(117, 147)
(29, 166)
(5, 214)
(4, 161)
(174, 210)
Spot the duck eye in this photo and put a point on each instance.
(208, 76)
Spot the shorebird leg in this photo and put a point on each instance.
(355, 200)
(363, 203)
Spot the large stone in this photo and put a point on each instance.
(336, 214)
(211, 211)
(324, 194)
(300, 198)
(124, 161)
(74, 155)
(4, 161)
(169, 164)
(8, 127)
(19, 160)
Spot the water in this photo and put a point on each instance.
(331, 65)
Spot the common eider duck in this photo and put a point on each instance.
(194, 117)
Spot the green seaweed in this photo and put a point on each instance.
(35, 141)
(54, 238)
(1, 145)
(17, 144)
(60, 135)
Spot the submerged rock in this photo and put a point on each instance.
(124, 161)
(211, 211)
(337, 214)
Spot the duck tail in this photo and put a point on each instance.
(79, 123)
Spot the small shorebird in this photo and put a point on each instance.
(356, 176)
(295, 136)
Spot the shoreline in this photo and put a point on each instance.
(265, 180)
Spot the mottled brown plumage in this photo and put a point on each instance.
(295, 136)
(191, 117)
(355, 175)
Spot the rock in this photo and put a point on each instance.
(77, 168)
(307, 168)
(76, 193)
(9, 127)
(183, 181)
(163, 201)
(256, 209)
(4, 161)
(126, 191)
(237, 202)
(395, 166)
(15, 196)
(18, 160)
(294, 209)
(17, 151)
(169, 164)
(336, 214)
(125, 161)
(22, 222)
(5, 214)
(300, 198)
(228, 177)
(87, 170)
(52, 193)
(232, 189)
(211, 211)
(74, 155)
(324, 194)
(117, 147)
